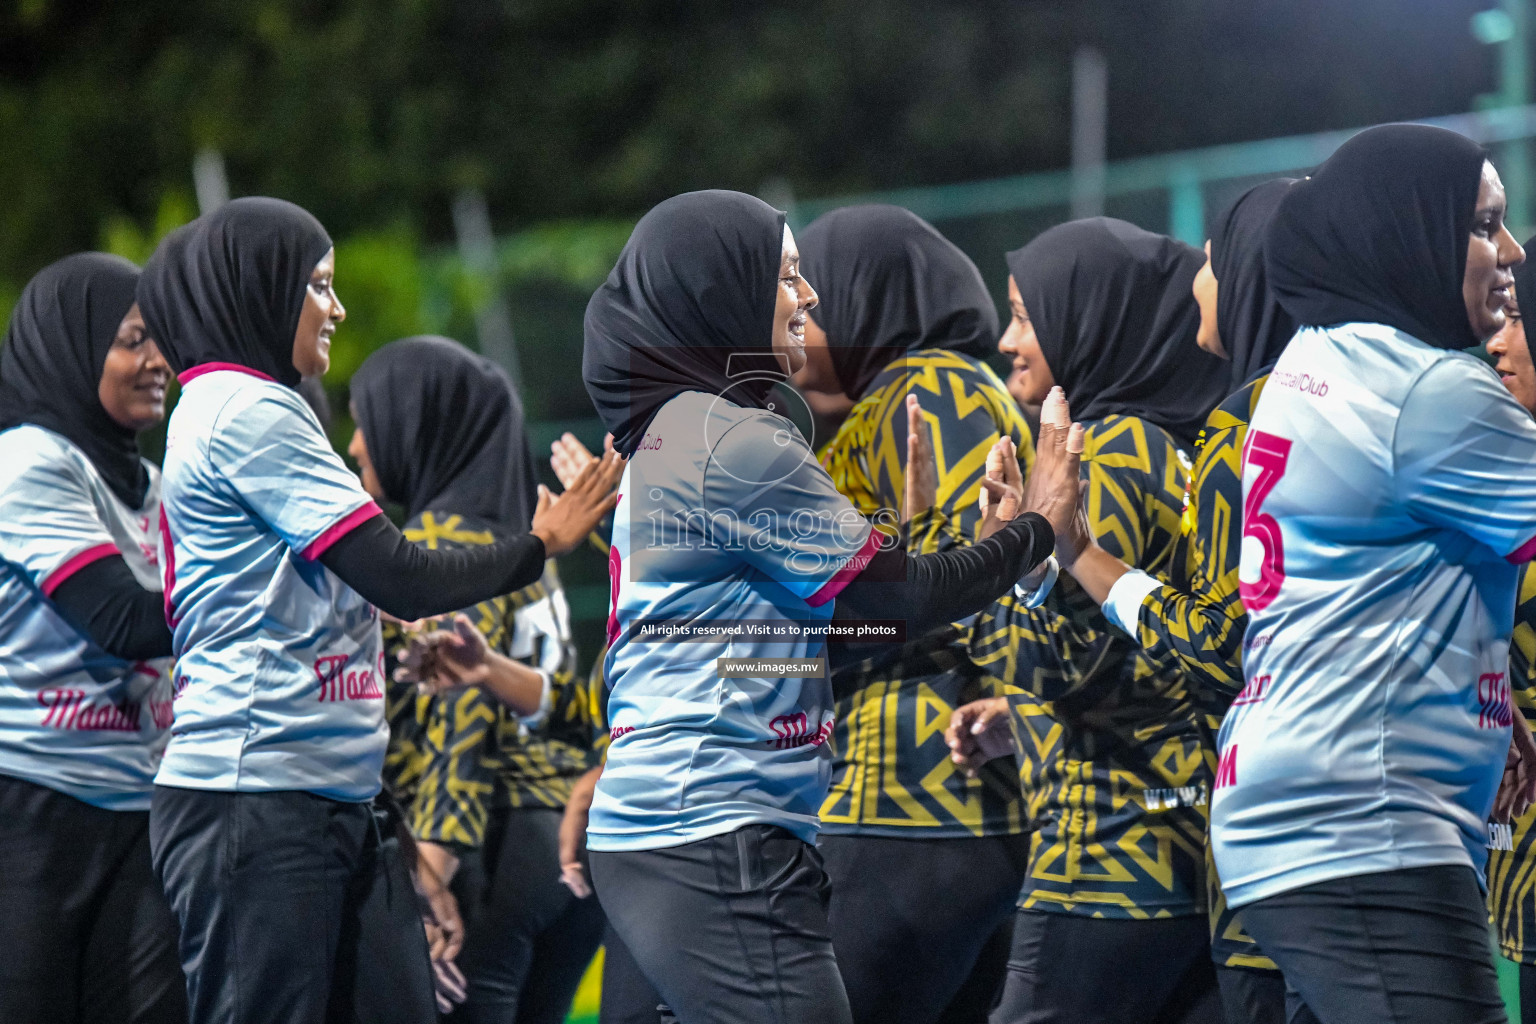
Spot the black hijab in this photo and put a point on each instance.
(1254, 327)
(1113, 310)
(444, 428)
(689, 307)
(229, 287)
(1379, 233)
(889, 284)
(55, 351)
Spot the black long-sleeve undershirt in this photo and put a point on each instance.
(409, 581)
(931, 590)
(108, 604)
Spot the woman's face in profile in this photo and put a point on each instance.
(317, 321)
(1492, 255)
(1032, 379)
(792, 308)
(1512, 355)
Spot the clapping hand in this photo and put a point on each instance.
(922, 479)
(437, 660)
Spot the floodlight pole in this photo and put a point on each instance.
(1515, 90)
(1090, 119)
(1508, 27)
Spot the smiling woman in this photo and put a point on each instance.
(134, 376)
(85, 691)
(1388, 505)
(318, 319)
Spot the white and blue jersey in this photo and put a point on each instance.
(729, 529)
(1389, 488)
(73, 717)
(279, 672)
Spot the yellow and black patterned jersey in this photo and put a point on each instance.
(1199, 618)
(456, 757)
(1512, 857)
(892, 774)
(1116, 757)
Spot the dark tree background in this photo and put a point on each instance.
(374, 112)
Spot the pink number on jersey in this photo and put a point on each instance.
(1270, 454)
(615, 567)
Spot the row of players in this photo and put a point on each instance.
(262, 564)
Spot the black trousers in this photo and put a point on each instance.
(922, 927)
(1396, 947)
(294, 909)
(528, 938)
(730, 929)
(1252, 996)
(1528, 992)
(86, 936)
(1069, 969)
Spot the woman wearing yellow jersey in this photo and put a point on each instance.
(925, 863)
(1115, 749)
(1197, 617)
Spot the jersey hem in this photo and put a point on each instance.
(1241, 894)
(172, 780)
(664, 839)
(105, 798)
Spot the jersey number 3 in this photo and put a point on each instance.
(1268, 454)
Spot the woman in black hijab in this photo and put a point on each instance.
(701, 827)
(1388, 498)
(903, 312)
(1197, 617)
(440, 431)
(1105, 310)
(85, 688)
(278, 566)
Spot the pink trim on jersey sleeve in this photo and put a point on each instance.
(58, 576)
(339, 529)
(1524, 553)
(193, 372)
(846, 575)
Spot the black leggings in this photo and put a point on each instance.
(1395, 947)
(731, 929)
(1073, 969)
(922, 926)
(294, 909)
(1251, 995)
(528, 939)
(86, 936)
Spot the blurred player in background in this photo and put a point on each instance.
(484, 768)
